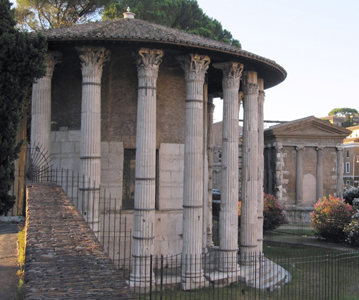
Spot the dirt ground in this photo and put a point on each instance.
(8, 260)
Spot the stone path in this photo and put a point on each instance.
(64, 259)
(8, 260)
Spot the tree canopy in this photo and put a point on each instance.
(346, 112)
(42, 14)
(21, 62)
(343, 112)
(180, 14)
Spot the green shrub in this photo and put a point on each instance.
(273, 213)
(330, 216)
(351, 231)
(350, 193)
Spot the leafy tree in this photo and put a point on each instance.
(343, 112)
(346, 112)
(21, 61)
(180, 14)
(42, 14)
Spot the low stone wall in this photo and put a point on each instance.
(64, 259)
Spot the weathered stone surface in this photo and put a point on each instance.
(64, 259)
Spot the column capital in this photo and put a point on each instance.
(240, 98)
(148, 62)
(279, 146)
(300, 147)
(195, 66)
(339, 147)
(261, 96)
(319, 147)
(52, 58)
(232, 73)
(92, 60)
(250, 88)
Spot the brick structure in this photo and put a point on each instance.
(64, 259)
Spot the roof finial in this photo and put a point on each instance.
(128, 14)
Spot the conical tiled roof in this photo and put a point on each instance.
(136, 30)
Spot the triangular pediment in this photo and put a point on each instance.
(310, 126)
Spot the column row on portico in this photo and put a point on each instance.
(195, 67)
(148, 61)
(92, 60)
(250, 167)
(228, 235)
(41, 108)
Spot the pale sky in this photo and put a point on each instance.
(316, 41)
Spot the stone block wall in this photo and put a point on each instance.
(65, 149)
(170, 185)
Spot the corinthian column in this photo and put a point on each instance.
(148, 61)
(299, 176)
(92, 59)
(228, 218)
(41, 108)
(340, 163)
(195, 67)
(210, 110)
(319, 171)
(261, 96)
(249, 217)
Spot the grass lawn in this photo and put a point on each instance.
(316, 274)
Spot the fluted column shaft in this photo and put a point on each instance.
(299, 176)
(148, 61)
(261, 96)
(228, 218)
(340, 162)
(92, 59)
(41, 108)
(319, 186)
(250, 173)
(195, 67)
(210, 111)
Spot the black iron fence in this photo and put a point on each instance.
(284, 272)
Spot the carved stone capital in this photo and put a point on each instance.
(92, 59)
(52, 58)
(250, 89)
(261, 96)
(195, 66)
(279, 146)
(148, 62)
(300, 147)
(240, 98)
(339, 147)
(232, 73)
(319, 147)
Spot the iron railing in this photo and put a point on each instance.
(315, 274)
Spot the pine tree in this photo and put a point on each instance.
(21, 62)
(185, 15)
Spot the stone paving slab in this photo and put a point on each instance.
(64, 259)
(8, 260)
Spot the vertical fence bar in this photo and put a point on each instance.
(109, 222)
(114, 232)
(161, 287)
